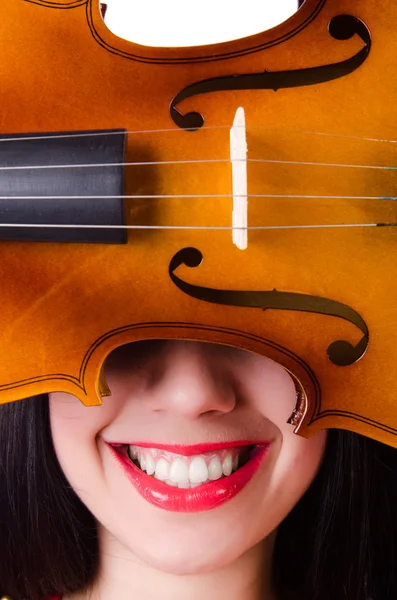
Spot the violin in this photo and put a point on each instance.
(117, 188)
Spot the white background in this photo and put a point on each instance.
(191, 23)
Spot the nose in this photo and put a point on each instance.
(193, 379)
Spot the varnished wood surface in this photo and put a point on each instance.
(65, 307)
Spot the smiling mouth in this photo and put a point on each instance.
(189, 478)
(187, 472)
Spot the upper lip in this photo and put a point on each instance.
(189, 450)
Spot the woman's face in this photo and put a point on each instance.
(189, 410)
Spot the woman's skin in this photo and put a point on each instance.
(180, 392)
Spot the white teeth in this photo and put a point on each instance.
(198, 471)
(179, 471)
(162, 471)
(185, 472)
(227, 465)
(150, 465)
(215, 469)
(142, 462)
(184, 486)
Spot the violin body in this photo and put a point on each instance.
(318, 91)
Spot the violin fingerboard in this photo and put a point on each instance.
(65, 179)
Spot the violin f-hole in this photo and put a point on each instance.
(341, 27)
(340, 352)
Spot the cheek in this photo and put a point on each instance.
(301, 458)
(271, 392)
(71, 419)
(295, 466)
(293, 461)
(75, 428)
(297, 459)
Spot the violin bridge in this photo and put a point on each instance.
(238, 157)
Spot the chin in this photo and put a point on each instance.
(184, 559)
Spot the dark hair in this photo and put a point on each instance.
(340, 540)
(338, 543)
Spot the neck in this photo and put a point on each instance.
(126, 577)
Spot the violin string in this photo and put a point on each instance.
(196, 196)
(60, 135)
(194, 161)
(193, 227)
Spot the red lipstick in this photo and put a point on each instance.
(201, 498)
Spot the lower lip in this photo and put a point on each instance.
(204, 497)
